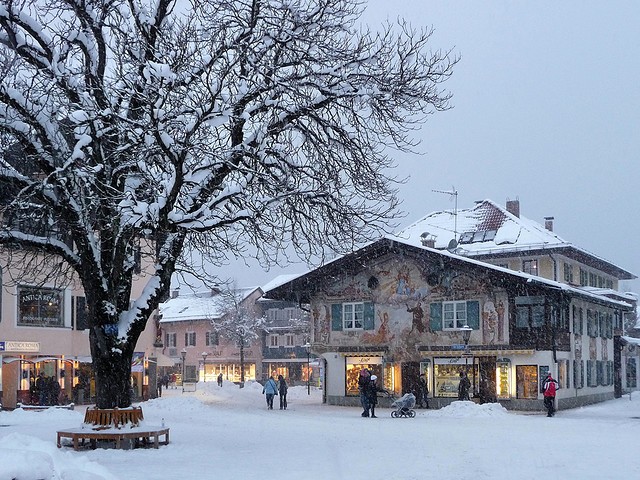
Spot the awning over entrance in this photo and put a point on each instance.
(476, 353)
(164, 361)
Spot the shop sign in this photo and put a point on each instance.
(364, 360)
(450, 361)
(458, 346)
(16, 346)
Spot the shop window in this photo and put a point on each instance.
(526, 381)
(454, 315)
(446, 373)
(353, 367)
(352, 316)
(40, 307)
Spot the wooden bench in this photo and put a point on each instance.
(115, 425)
(141, 437)
(116, 417)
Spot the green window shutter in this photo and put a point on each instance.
(473, 314)
(336, 317)
(435, 316)
(369, 317)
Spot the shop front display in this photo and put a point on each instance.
(503, 367)
(446, 372)
(354, 364)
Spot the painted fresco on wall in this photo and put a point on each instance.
(402, 295)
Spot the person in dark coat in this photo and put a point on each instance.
(220, 379)
(372, 390)
(422, 392)
(363, 381)
(463, 387)
(282, 390)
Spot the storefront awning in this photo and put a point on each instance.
(478, 353)
(163, 361)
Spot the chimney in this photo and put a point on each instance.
(175, 292)
(548, 223)
(513, 207)
(428, 240)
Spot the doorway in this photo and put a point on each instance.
(487, 384)
(410, 376)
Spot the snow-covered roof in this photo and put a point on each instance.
(200, 306)
(280, 280)
(595, 295)
(488, 228)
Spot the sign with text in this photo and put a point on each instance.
(17, 346)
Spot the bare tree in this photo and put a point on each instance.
(129, 124)
(238, 320)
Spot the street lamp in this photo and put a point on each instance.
(307, 346)
(466, 335)
(204, 367)
(183, 354)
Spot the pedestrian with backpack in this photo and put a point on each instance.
(549, 388)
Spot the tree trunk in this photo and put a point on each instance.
(241, 363)
(113, 381)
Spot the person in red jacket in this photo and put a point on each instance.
(549, 388)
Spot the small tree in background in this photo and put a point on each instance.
(237, 319)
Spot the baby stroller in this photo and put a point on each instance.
(404, 406)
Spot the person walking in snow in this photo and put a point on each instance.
(270, 389)
(463, 387)
(282, 390)
(220, 379)
(549, 388)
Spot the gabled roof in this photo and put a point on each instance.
(302, 287)
(490, 230)
(200, 306)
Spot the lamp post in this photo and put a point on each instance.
(307, 346)
(466, 335)
(204, 367)
(183, 354)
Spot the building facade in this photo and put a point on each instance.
(401, 310)
(43, 333)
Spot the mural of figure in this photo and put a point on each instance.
(403, 284)
(417, 321)
(383, 335)
(315, 314)
(326, 324)
(490, 322)
(500, 310)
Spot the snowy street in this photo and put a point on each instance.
(228, 433)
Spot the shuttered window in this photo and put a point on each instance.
(454, 315)
(352, 316)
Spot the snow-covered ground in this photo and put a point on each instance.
(228, 433)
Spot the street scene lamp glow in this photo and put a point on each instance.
(307, 346)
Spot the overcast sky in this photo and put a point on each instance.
(546, 109)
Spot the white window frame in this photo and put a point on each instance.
(172, 340)
(190, 339)
(353, 316)
(289, 340)
(273, 341)
(454, 315)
